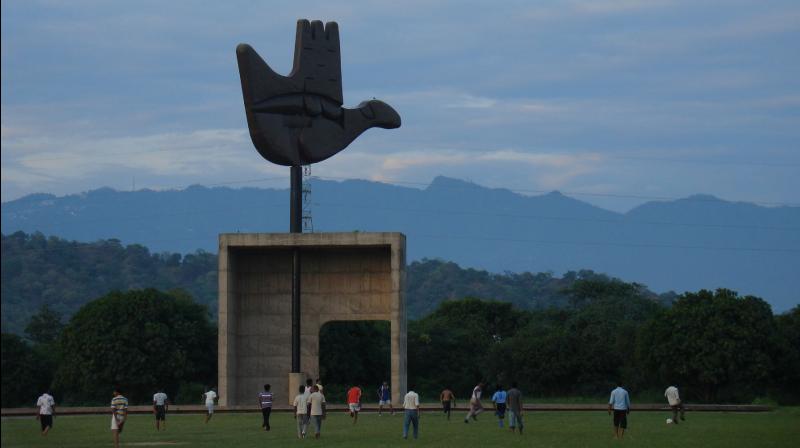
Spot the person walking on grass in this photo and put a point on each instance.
(514, 406)
(301, 412)
(411, 412)
(354, 402)
(210, 397)
(475, 405)
(448, 400)
(499, 400)
(384, 398)
(119, 414)
(160, 406)
(620, 404)
(265, 403)
(675, 403)
(46, 413)
(317, 404)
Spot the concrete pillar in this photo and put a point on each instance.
(295, 381)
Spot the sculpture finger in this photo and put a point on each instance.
(317, 62)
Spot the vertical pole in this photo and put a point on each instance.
(296, 201)
(296, 226)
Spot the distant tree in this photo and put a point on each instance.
(787, 368)
(45, 326)
(141, 340)
(25, 374)
(583, 349)
(451, 345)
(717, 345)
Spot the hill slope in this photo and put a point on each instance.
(65, 275)
(689, 244)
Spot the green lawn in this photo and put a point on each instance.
(780, 428)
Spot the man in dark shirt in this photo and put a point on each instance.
(265, 401)
(514, 408)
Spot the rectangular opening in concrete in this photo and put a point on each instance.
(354, 353)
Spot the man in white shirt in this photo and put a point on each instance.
(317, 402)
(411, 411)
(301, 412)
(160, 405)
(211, 398)
(475, 406)
(47, 409)
(675, 403)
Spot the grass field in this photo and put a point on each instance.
(780, 428)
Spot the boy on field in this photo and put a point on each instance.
(620, 403)
(448, 400)
(475, 405)
(384, 398)
(317, 405)
(499, 400)
(210, 397)
(265, 403)
(514, 406)
(675, 403)
(47, 409)
(160, 405)
(411, 412)
(301, 411)
(354, 402)
(119, 413)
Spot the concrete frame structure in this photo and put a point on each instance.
(345, 277)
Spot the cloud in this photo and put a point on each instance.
(546, 170)
(96, 92)
(466, 101)
(615, 6)
(31, 161)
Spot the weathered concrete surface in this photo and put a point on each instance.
(345, 277)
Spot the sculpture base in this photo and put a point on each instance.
(295, 381)
(346, 277)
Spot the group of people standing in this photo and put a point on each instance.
(310, 407)
(503, 401)
(619, 405)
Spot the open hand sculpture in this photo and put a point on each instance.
(299, 119)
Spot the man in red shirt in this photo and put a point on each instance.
(354, 402)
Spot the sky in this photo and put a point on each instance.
(614, 102)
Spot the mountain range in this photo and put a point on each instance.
(681, 245)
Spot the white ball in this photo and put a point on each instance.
(669, 421)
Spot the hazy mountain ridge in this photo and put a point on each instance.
(687, 244)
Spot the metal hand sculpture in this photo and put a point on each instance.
(299, 119)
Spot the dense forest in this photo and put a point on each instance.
(39, 270)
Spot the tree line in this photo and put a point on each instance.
(716, 345)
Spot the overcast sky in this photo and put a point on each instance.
(609, 101)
